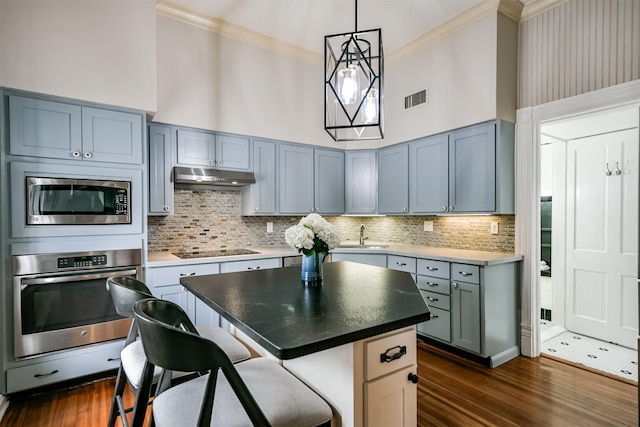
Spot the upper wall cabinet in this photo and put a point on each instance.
(208, 149)
(310, 180)
(361, 182)
(160, 169)
(470, 170)
(260, 198)
(393, 180)
(65, 131)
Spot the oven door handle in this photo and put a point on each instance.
(102, 274)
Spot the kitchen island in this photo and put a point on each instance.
(351, 338)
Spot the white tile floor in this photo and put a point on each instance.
(603, 356)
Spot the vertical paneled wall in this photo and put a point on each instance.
(576, 47)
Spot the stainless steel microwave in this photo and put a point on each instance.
(65, 201)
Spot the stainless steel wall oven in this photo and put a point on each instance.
(61, 301)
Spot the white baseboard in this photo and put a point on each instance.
(4, 404)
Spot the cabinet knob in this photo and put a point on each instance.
(444, 208)
(87, 155)
(212, 162)
(183, 289)
(76, 154)
(311, 210)
(167, 208)
(454, 285)
(219, 162)
(404, 209)
(413, 378)
(450, 208)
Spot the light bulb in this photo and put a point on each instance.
(348, 84)
(370, 107)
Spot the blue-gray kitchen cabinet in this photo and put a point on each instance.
(200, 148)
(361, 182)
(160, 170)
(428, 174)
(328, 181)
(393, 179)
(52, 129)
(260, 198)
(310, 180)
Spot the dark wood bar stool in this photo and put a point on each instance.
(125, 292)
(256, 392)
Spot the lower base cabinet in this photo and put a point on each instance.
(67, 365)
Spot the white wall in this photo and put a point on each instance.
(213, 82)
(100, 50)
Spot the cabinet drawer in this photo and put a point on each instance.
(433, 284)
(254, 264)
(370, 259)
(465, 273)
(439, 326)
(402, 263)
(378, 353)
(165, 276)
(83, 362)
(436, 300)
(433, 268)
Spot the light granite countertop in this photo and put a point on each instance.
(162, 259)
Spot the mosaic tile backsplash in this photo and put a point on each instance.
(211, 220)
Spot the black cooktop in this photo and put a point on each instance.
(216, 253)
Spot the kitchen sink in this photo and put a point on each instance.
(356, 245)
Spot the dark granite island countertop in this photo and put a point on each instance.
(290, 319)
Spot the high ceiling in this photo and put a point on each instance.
(304, 23)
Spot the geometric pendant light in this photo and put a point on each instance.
(354, 68)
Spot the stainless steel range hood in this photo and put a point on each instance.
(211, 177)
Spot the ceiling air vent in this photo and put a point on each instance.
(415, 99)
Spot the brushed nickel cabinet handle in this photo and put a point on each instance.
(465, 274)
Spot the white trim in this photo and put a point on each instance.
(537, 7)
(4, 404)
(528, 123)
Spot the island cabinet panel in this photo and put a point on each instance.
(393, 180)
(59, 130)
(164, 283)
(260, 198)
(379, 260)
(160, 169)
(361, 182)
(391, 400)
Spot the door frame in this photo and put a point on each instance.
(527, 191)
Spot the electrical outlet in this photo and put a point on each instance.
(269, 227)
(494, 227)
(428, 226)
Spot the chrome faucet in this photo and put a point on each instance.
(362, 238)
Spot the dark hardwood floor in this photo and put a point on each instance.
(453, 391)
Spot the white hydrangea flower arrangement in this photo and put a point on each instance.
(313, 234)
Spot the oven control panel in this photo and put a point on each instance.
(82, 261)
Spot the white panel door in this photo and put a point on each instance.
(602, 229)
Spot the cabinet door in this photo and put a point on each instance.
(260, 198)
(393, 180)
(232, 152)
(472, 169)
(361, 182)
(203, 314)
(160, 165)
(329, 181)
(178, 294)
(465, 316)
(296, 179)
(196, 148)
(111, 136)
(391, 400)
(429, 175)
(44, 128)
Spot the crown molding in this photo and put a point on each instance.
(537, 7)
(449, 27)
(512, 9)
(237, 32)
